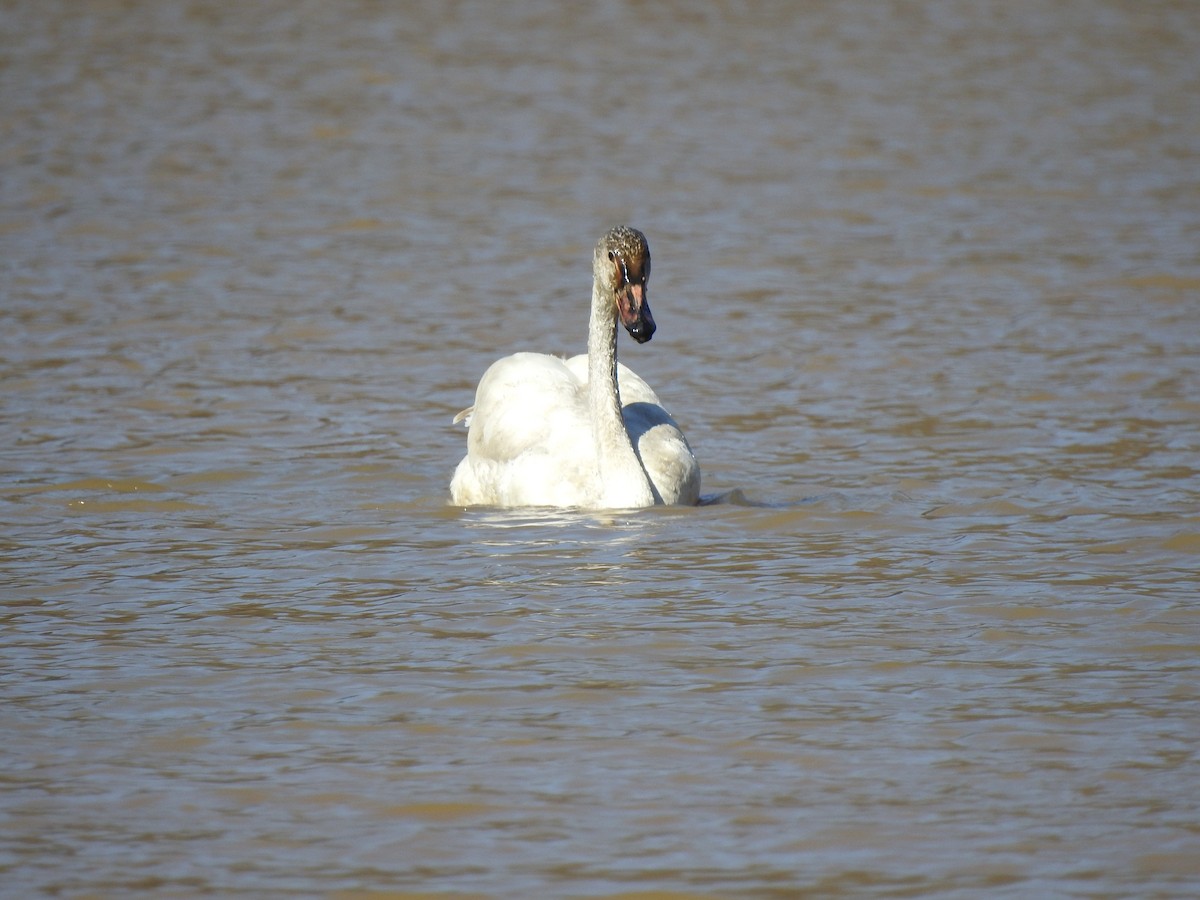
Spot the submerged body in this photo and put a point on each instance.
(586, 431)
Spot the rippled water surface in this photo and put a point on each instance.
(927, 280)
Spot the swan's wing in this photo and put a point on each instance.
(664, 452)
(524, 401)
(629, 384)
(529, 441)
(633, 389)
(578, 366)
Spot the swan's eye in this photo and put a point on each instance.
(611, 256)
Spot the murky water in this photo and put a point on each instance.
(927, 280)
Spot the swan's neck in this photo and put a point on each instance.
(623, 480)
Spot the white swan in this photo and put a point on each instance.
(551, 432)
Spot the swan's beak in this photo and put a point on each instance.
(635, 312)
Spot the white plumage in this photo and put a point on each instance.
(585, 431)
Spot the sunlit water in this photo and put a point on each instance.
(927, 282)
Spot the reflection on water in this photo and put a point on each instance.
(926, 280)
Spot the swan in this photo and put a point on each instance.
(585, 431)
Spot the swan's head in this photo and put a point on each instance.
(622, 268)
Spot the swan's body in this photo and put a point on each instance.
(585, 431)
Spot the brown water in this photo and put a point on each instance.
(927, 280)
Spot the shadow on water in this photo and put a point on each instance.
(737, 497)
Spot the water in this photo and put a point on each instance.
(926, 278)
